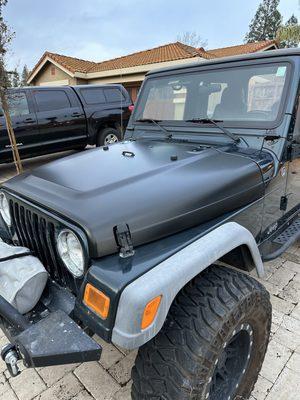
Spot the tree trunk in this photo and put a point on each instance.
(10, 131)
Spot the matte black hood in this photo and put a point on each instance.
(152, 193)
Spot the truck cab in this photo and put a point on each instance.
(52, 119)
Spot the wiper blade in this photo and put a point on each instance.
(157, 123)
(232, 136)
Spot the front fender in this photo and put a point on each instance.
(170, 276)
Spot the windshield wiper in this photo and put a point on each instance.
(157, 123)
(232, 136)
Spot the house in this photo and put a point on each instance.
(55, 69)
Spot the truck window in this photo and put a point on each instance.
(113, 95)
(238, 94)
(18, 104)
(48, 100)
(93, 95)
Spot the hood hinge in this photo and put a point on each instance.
(283, 203)
(124, 240)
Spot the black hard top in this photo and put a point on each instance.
(224, 60)
(104, 85)
(75, 87)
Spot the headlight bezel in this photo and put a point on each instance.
(5, 215)
(58, 222)
(69, 263)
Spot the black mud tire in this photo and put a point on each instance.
(180, 362)
(105, 134)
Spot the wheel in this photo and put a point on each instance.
(108, 136)
(212, 344)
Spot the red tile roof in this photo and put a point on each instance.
(242, 48)
(169, 52)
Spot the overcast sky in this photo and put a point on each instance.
(101, 29)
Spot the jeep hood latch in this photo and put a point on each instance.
(124, 240)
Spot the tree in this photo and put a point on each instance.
(5, 38)
(289, 34)
(15, 80)
(24, 76)
(266, 22)
(191, 38)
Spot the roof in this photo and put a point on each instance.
(72, 64)
(168, 52)
(224, 60)
(243, 48)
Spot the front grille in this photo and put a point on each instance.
(36, 232)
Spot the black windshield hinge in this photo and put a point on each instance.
(293, 151)
(283, 203)
(124, 240)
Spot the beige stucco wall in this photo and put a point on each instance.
(118, 79)
(44, 77)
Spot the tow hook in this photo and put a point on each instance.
(10, 356)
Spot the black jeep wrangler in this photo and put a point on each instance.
(147, 242)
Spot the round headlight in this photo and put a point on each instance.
(71, 252)
(4, 209)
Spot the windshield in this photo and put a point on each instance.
(252, 93)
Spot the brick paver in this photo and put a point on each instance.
(109, 379)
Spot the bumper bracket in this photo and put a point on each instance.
(56, 340)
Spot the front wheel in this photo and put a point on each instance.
(212, 344)
(108, 136)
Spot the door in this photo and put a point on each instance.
(24, 123)
(62, 122)
(293, 183)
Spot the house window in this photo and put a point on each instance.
(53, 71)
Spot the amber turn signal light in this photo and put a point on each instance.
(150, 312)
(96, 301)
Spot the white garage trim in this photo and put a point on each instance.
(55, 83)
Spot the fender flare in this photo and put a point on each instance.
(170, 276)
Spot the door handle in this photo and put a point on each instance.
(28, 121)
(76, 114)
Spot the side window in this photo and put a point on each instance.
(18, 104)
(48, 100)
(93, 95)
(113, 95)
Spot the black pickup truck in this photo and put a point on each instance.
(52, 119)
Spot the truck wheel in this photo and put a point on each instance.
(108, 136)
(212, 344)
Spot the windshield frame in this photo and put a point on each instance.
(229, 65)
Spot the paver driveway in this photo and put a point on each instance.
(110, 378)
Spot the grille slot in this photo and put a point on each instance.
(37, 233)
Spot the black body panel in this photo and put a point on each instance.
(159, 196)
